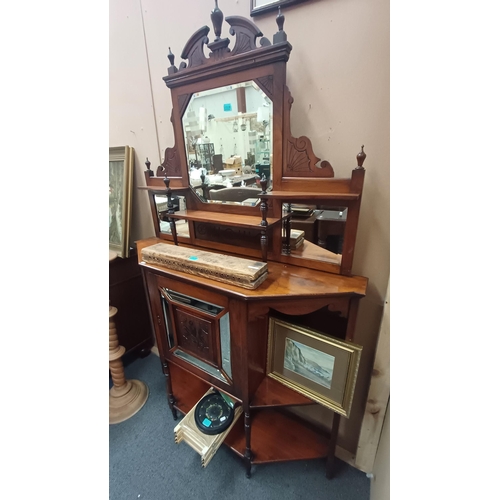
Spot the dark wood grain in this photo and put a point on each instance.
(127, 294)
(273, 394)
(277, 437)
(188, 390)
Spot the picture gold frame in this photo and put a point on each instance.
(317, 366)
(121, 168)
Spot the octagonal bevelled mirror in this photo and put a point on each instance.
(228, 140)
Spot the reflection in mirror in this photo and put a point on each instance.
(179, 203)
(228, 138)
(317, 224)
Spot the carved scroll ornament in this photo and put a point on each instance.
(300, 160)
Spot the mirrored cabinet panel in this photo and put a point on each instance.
(228, 140)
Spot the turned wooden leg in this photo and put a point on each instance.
(126, 397)
(170, 394)
(248, 451)
(330, 460)
(173, 230)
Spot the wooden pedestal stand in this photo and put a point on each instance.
(126, 397)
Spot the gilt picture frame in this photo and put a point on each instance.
(121, 168)
(258, 7)
(315, 365)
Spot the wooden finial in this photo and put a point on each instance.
(148, 166)
(280, 35)
(217, 17)
(263, 184)
(280, 19)
(360, 157)
(171, 58)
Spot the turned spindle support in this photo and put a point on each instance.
(126, 397)
(263, 223)
(170, 210)
(330, 459)
(248, 451)
(204, 187)
(288, 229)
(170, 394)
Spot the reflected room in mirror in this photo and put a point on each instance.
(317, 227)
(228, 140)
(178, 203)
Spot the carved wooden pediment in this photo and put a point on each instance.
(245, 32)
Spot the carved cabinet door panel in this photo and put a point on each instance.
(197, 335)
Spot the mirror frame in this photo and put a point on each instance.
(296, 173)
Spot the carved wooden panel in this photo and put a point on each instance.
(245, 32)
(300, 160)
(196, 335)
(193, 50)
(171, 166)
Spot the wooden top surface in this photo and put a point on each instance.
(283, 281)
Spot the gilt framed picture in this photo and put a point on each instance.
(121, 167)
(320, 367)
(258, 7)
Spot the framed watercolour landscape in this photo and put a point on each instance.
(320, 367)
(121, 167)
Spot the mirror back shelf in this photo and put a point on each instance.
(231, 120)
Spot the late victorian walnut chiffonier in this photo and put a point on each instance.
(231, 120)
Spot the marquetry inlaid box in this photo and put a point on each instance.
(225, 268)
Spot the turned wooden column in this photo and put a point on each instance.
(126, 397)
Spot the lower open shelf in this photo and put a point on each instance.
(275, 435)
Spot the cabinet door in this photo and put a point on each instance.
(194, 328)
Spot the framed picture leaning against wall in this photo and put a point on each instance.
(121, 168)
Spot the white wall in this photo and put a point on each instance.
(338, 74)
(380, 482)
